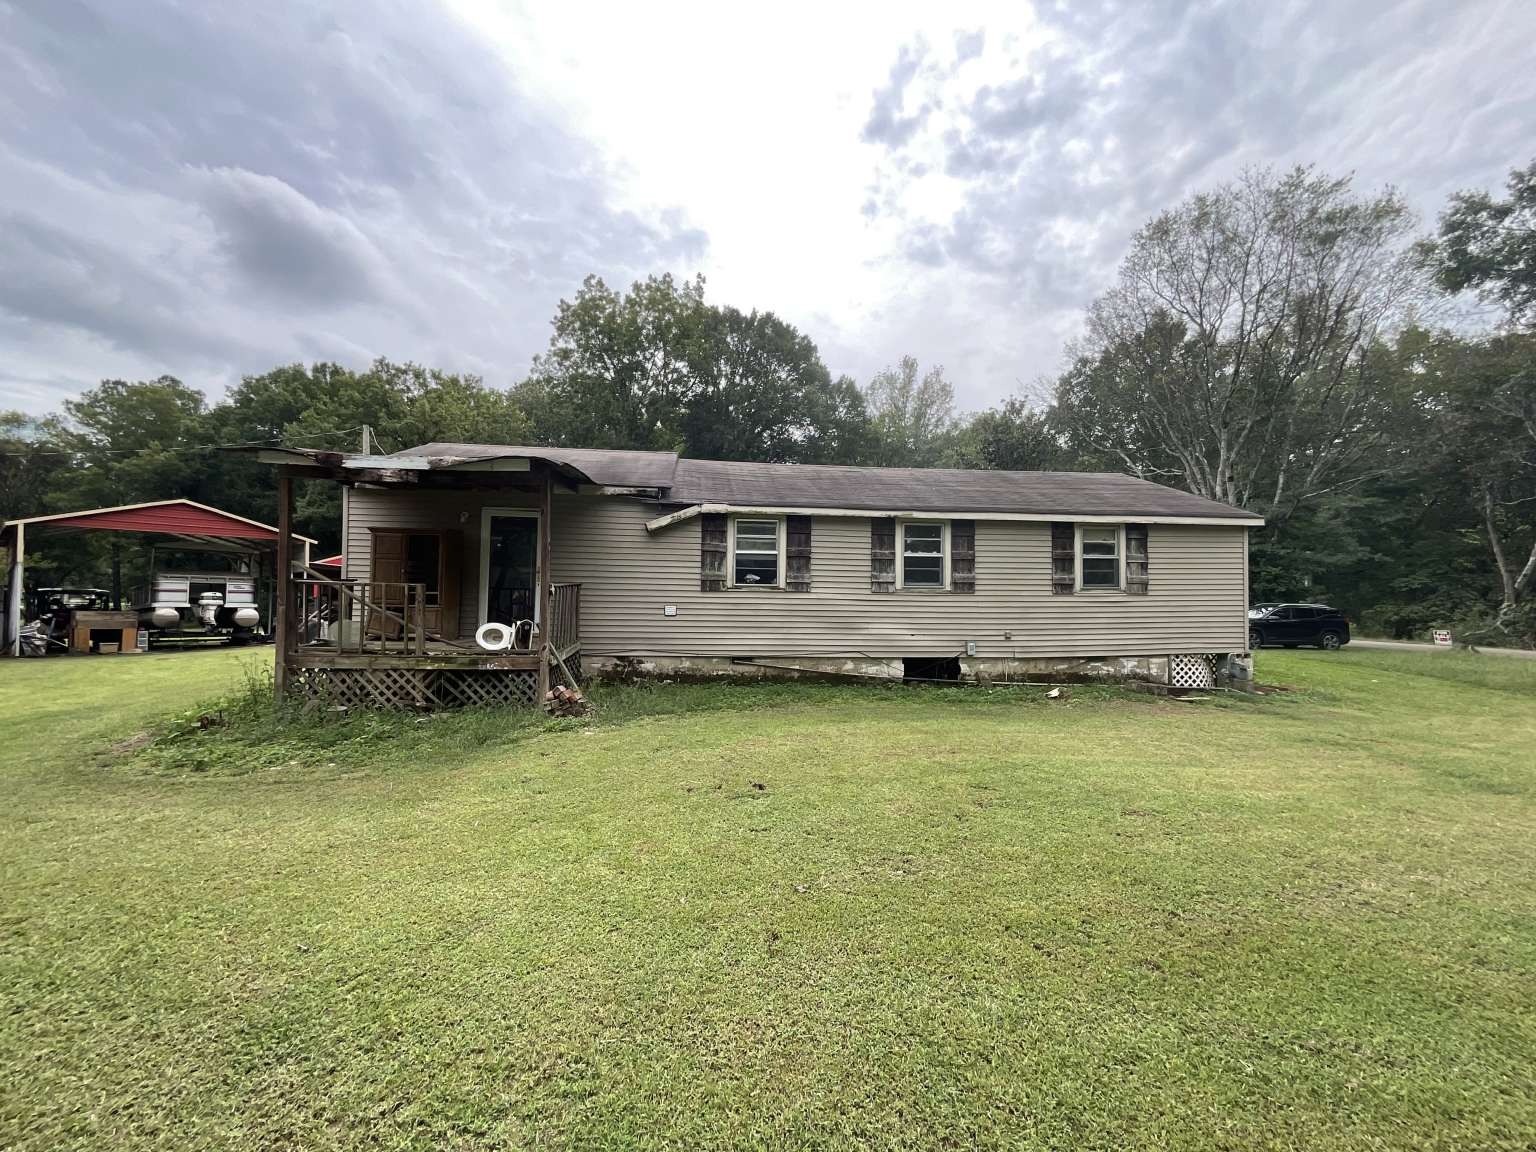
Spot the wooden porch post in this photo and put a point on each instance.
(546, 625)
(284, 574)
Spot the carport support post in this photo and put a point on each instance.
(16, 598)
(545, 624)
(284, 573)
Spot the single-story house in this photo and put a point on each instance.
(652, 563)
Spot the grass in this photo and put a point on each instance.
(777, 916)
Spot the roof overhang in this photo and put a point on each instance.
(358, 468)
(360, 462)
(688, 513)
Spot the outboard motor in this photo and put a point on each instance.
(208, 605)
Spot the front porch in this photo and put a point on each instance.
(368, 644)
(361, 641)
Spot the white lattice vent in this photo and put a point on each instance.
(1192, 671)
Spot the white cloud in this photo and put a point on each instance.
(211, 191)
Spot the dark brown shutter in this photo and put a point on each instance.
(962, 555)
(712, 529)
(1136, 570)
(1063, 557)
(882, 554)
(797, 552)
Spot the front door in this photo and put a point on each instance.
(509, 567)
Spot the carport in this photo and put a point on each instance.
(183, 522)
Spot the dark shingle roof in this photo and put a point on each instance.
(934, 490)
(685, 482)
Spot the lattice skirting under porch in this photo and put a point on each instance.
(413, 688)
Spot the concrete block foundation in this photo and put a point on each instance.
(972, 669)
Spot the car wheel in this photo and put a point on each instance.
(1255, 638)
(1330, 641)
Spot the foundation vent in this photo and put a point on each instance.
(1192, 671)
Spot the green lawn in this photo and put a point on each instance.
(784, 916)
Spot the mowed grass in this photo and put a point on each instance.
(777, 917)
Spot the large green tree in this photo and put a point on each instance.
(130, 441)
(761, 392)
(658, 367)
(1489, 246)
(1482, 395)
(32, 460)
(911, 414)
(621, 367)
(326, 405)
(1234, 355)
(1017, 436)
(122, 442)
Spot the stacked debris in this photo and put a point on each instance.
(563, 701)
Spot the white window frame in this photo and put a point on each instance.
(901, 554)
(485, 558)
(730, 549)
(1119, 558)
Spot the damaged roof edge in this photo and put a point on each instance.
(360, 462)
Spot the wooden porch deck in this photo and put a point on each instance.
(366, 644)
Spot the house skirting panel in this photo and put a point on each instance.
(413, 689)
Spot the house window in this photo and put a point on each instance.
(1099, 553)
(922, 555)
(755, 553)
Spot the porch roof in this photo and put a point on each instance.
(612, 469)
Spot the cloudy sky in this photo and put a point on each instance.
(208, 188)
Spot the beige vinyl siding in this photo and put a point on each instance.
(367, 508)
(1197, 601)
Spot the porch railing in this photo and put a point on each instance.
(390, 618)
(358, 616)
(565, 618)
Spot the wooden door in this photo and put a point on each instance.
(386, 570)
(393, 549)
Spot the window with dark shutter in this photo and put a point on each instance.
(962, 555)
(882, 554)
(1136, 569)
(922, 555)
(1063, 558)
(797, 553)
(712, 529)
(1100, 561)
(756, 554)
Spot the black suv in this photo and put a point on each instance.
(1292, 625)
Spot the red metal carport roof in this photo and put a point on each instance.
(170, 517)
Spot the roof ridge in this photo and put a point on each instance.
(911, 468)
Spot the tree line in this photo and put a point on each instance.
(1268, 343)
